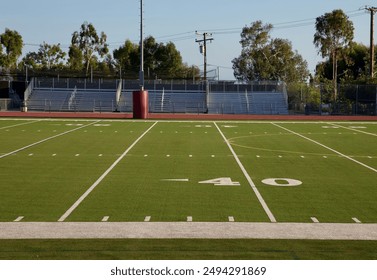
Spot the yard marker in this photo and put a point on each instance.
(99, 180)
(258, 156)
(302, 156)
(105, 219)
(100, 155)
(213, 156)
(248, 178)
(145, 155)
(326, 147)
(147, 219)
(324, 156)
(30, 155)
(357, 221)
(315, 220)
(77, 155)
(189, 219)
(280, 156)
(231, 219)
(54, 155)
(175, 180)
(19, 219)
(190, 156)
(46, 139)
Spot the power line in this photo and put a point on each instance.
(372, 11)
(189, 35)
(203, 48)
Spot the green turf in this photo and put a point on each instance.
(43, 181)
(201, 249)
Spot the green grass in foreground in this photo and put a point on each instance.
(147, 249)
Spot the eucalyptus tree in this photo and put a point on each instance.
(10, 42)
(85, 45)
(334, 35)
(48, 57)
(266, 58)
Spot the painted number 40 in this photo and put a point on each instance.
(224, 181)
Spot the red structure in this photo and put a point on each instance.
(140, 104)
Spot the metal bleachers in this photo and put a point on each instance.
(116, 96)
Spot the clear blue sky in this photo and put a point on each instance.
(176, 20)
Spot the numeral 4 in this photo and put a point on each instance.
(225, 181)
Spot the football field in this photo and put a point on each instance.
(179, 171)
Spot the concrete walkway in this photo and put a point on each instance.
(179, 230)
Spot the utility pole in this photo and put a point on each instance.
(203, 48)
(141, 74)
(372, 11)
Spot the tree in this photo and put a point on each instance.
(12, 43)
(264, 58)
(334, 34)
(353, 66)
(160, 60)
(48, 57)
(127, 58)
(85, 44)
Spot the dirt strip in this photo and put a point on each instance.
(186, 230)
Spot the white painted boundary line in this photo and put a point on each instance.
(19, 124)
(45, 140)
(100, 179)
(354, 129)
(248, 178)
(326, 147)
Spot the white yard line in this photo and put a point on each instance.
(44, 140)
(248, 178)
(354, 129)
(326, 147)
(100, 179)
(19, 124)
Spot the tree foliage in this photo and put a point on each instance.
(10, 42)
(85, 44)
(48, 57)
(160, 60)
(333, 37)
(265, 58)
(353, 66)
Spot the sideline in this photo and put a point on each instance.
(328, 148)
(184, 230)
(29, 122)
(100, 179)
(45, 140)
(251, 183)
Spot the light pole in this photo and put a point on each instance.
(141, 74)
(140, 97)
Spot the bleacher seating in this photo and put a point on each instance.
(257, 103)
(223, 98)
